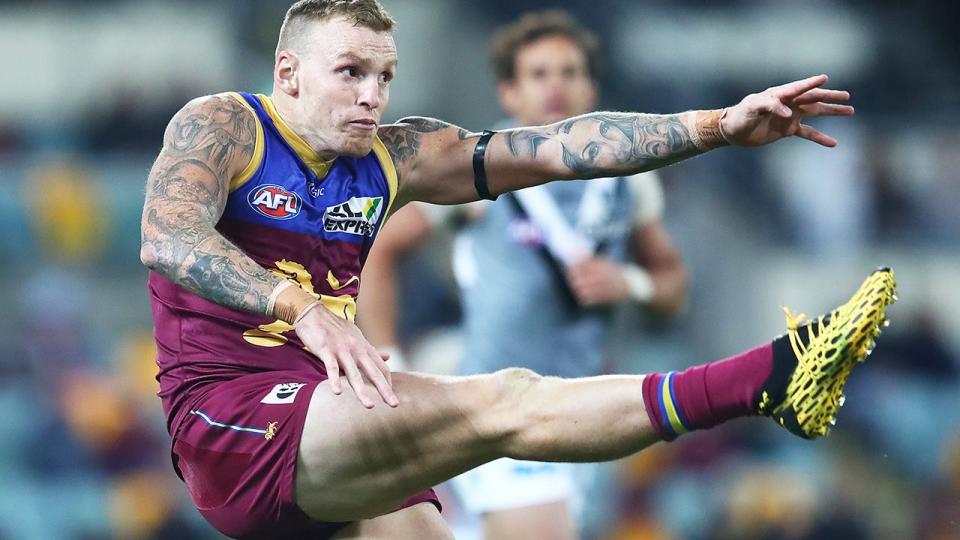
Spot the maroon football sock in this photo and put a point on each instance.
(703, 396)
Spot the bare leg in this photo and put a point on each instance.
(548, 521)
(356, 463)
(419, 522)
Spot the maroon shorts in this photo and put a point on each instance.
(236, 450)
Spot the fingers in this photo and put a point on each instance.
(378, 373)
(333, 370)
(589, 292)
(796, 88)
(356, 382)
(825, 109)
(771, 104)
(821, 94)
(807, 132)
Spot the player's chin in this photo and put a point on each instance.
(357, 145)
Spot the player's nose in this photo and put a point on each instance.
(370, 95)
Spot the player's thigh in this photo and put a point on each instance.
(418, 522)
(356, 463)
(544, 521)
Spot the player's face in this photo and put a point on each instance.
(552, 82)
(344, 83)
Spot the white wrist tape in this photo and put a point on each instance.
(272, 299)
(639, 283)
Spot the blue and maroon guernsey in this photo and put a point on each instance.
(310, 221)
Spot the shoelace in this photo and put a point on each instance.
(793, 330)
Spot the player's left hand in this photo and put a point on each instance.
(779, 112)
(598, 281)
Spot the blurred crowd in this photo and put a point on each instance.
(84, 449)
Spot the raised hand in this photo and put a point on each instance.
(779, 112)
(341, 347)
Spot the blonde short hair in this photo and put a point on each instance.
(367, 13)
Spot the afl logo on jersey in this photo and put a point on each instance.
(275, 202)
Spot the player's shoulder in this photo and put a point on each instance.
(223, 121)
(221, 107)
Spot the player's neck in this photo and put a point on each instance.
(289, 112)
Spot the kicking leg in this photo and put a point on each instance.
(356, 463)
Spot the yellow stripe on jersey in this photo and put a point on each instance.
(389, 170)
(258, 148)
(300, 146)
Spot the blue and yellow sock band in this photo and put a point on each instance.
(672, 416)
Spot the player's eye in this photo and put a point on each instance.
(350, 71)
(386, 77)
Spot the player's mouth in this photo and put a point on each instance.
(366, 124)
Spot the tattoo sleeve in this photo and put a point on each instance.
(609, 144)
(205, 143)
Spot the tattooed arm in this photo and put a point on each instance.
(206, 144)
(434, 159)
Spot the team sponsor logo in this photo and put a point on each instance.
(283, 393)
(358, 216)
(275, 202)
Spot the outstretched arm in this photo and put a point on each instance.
(435, 158)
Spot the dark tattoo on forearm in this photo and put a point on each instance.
(602, 144)
(212, 269)
(186, 193)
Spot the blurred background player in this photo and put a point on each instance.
(562, 256)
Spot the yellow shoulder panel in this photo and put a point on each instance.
(389, 170)
(247, 173)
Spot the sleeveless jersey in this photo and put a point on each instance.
(304, 219)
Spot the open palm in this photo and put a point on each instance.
(779, 112)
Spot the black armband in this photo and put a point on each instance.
(479, 169)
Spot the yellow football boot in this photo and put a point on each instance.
(805, 389)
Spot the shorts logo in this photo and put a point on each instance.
(358, 216)
(275, 202)
(283, 394)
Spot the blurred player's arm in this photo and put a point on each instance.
(656, 254)
(435, 159)
(207, 143)
(378, 302)
(656, 276)
(657, 279)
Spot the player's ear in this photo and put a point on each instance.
(286, 71)
(508, 96)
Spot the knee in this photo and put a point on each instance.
(509, 407)
(513, 383)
